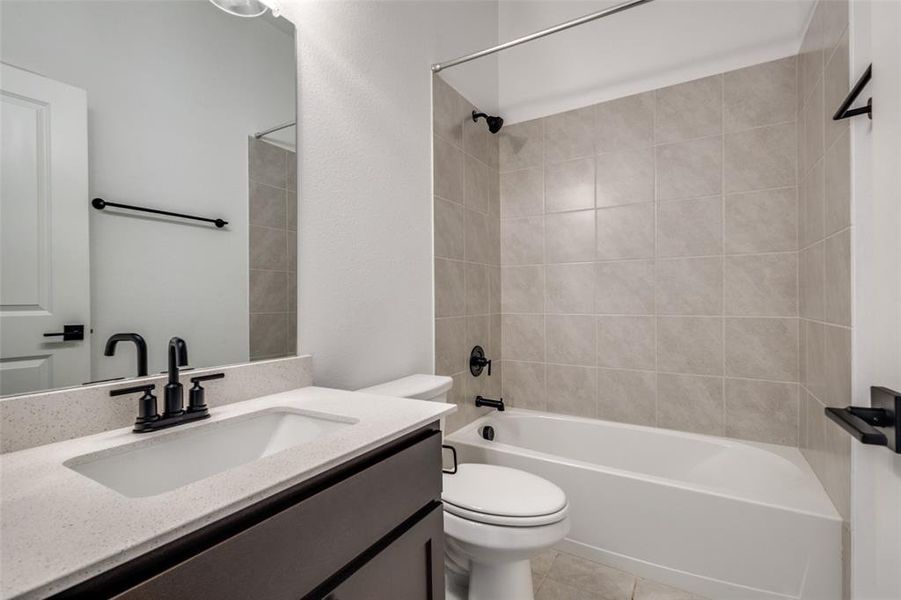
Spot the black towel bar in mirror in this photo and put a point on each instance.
(878, 425)
(100, 204)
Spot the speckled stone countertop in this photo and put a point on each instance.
(60, 528)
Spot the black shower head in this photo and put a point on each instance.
(494, 123)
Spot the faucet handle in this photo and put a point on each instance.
(147, 411)
(477, 361)
(196, 395)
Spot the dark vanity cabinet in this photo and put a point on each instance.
(371, 528)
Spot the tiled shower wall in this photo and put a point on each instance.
(273, 250)
(824, 166)
(649, 258)
(467, 250)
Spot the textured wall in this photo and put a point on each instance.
(649, 258)
(467, 249)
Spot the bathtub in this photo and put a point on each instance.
(718, 517)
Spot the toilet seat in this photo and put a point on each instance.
(503, 496)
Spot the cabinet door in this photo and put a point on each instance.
(411, 568)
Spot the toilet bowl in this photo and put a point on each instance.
(495, 518)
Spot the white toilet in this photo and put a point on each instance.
(495, 518)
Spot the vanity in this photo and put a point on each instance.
(321, 494)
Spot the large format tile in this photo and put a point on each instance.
(690, 227)
(569, 135)
(450, 291)
(608, 583)
(478, 289)
(268, 205)
(762, 94)
(524, 384)
(480, 185)
(569, 288)
(478, 141)
(268, 335)
(521, 145)
(523, 337)
(569, 185)
(651, 590)
(570, 339)
(626, 342)
(690, 286)
(448, 171)
(522, 193)
(836, 84)
(690, 345)
(572, 390)
(481, 233)
(812, 196)
(762, 348)
(760, 158)
(625, 232)
(837, 185)
(268, 163)
(522, 241)
(690, 169)
(448, 229)
(268, 291)
(448, 112)
(689, 110)
(838, 366)
(627, 396)
(522, 289)
(624, 287)
(764, 221)
(762, 411)
(762, 284)
(569, 237)
(690, 403)
(450, 345)
(625, 177)
(555, 590)
(625, 123)
(268, 248)
(811, 282)
(837, 283)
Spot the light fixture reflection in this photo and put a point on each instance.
(246, 8)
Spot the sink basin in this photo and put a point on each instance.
(154, 466)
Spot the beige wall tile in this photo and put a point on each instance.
(690, 345)
(450, 290)
(810, 60)
(448, 229)
(569, 185)
(690, 286)
(268, 291)
(838, 278)
(763, 348)
(522, 193)
(569, 237)
(478, 333)
(812, 281)
(572, 390)
(760, 158)
(690, 169)
(268, 163)
(813, 125)
(762, 411)
(570, 288)
(627, 342)
(762, 284)
(292, 209)
(837, 169)
(690, 403)
(598, 580)
(524, 385)
(835, 87)
(478, 289)
(494, 288)
(522, 289)
(569, 135)
(816, 359)
(523, 337)
(625, 123)
(478, 141)
(651, 590)
(448, 112)
(268, 205)
(480, 233)
(268, 248)
(521, 145)
(451, 354)
(690, 227)
(522, 241)
(837, 468)
(812, 194)
(625, 177)
(689, 110)
(762, 221)
(625, 287)
(762, 94)
(268, 335)
(627, 396)
(448, 171)
(838, 366)
(625, 232)
(570, 339)
(479, 184)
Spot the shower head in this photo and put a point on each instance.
(494, 123)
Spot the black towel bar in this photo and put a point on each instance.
(100, 204)
(844, 111)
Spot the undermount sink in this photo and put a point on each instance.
(178, 458)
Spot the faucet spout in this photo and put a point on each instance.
(140, 346)
(174, 391)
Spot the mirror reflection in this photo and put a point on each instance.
(176, 119)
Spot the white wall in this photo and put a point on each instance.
(174, 89)
(647, 47)
(365, 299)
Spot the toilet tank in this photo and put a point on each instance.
(418, 387)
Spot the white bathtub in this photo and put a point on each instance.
(718, 517)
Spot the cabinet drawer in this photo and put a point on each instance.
(289, 554)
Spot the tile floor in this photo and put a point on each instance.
(560, 576)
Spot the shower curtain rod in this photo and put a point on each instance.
(260, 134)
(538, 34)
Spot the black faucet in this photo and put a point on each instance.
(495, 404)
(140, 346)
(174, 391)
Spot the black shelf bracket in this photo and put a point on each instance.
(100, 204)
(845, 111)
(879, 425)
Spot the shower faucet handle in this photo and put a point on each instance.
(477, 362)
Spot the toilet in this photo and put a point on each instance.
(495, 518)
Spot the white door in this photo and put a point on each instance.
(875, 471)
(44, 257)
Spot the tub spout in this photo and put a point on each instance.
(496, 404)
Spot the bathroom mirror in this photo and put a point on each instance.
(155, 105)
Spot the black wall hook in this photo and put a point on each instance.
(844, 111)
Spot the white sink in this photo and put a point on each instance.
(154, 466)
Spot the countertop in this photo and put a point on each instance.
(60, 528)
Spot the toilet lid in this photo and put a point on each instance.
(501, 491)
